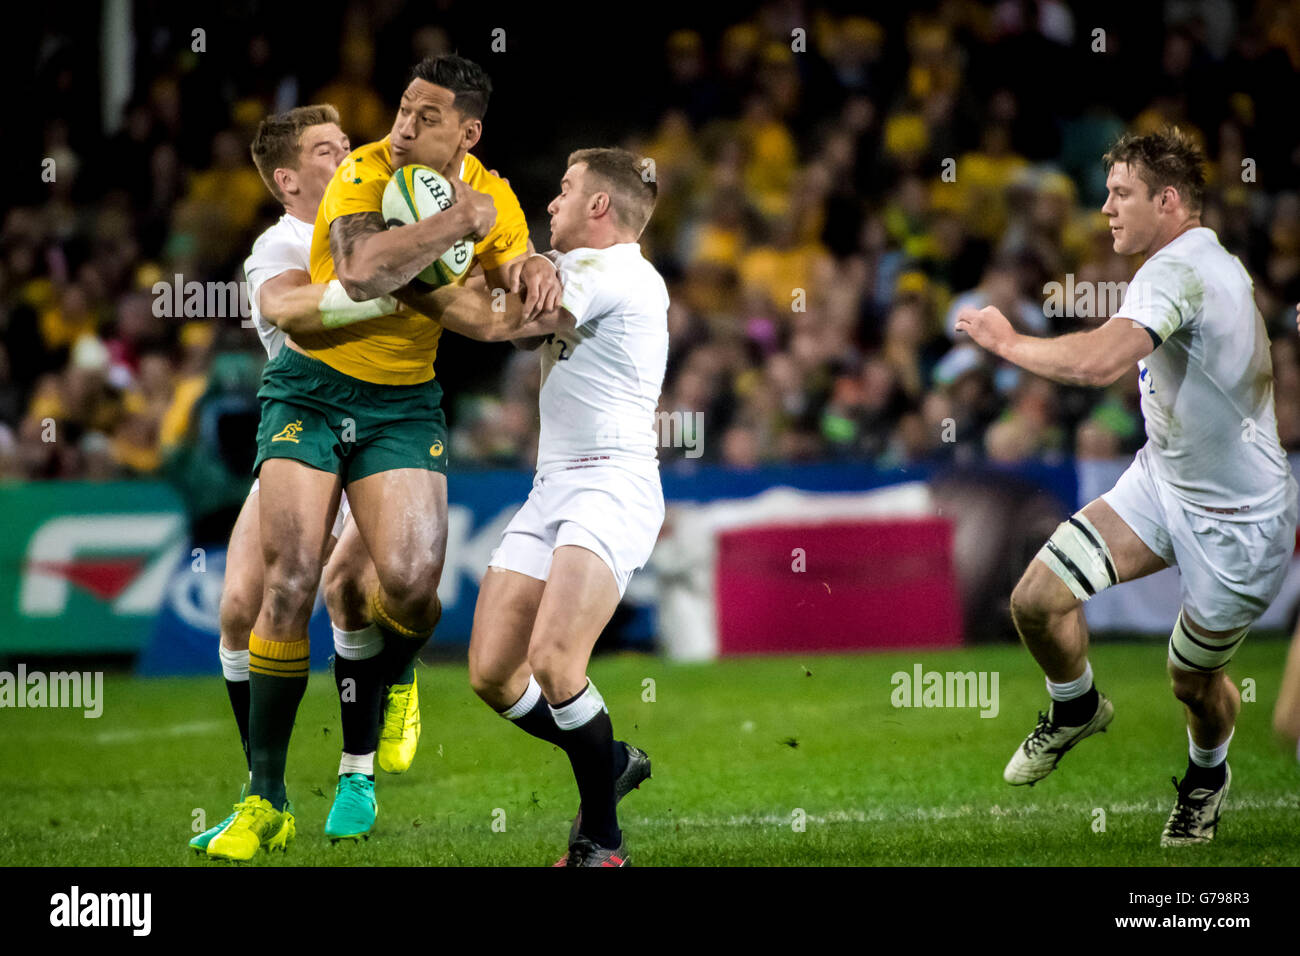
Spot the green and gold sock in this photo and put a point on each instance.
(277, 679)
(402, 644)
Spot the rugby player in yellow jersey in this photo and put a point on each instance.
(296, 153)
(358, 407)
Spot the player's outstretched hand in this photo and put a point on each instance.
(987, 326)
(480, 207)
(539, 286)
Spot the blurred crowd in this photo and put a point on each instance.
(833, 189)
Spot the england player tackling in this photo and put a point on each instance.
(596, 506)
(1210, 492)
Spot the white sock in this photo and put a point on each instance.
(358, 645)
(579, 710)
(526, 702)
(1074, 688)
(357, 763)
(1207, 756)
(234, 664)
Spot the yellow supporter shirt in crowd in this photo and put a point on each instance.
(396, 349)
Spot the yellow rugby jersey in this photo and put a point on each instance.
(396, 349)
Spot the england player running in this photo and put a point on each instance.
(358, 407)
(1286, 711)
(596, 505)
(296, 153)
(1211, 491)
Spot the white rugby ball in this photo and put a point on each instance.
(417, 192)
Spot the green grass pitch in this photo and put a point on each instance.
(740, 747)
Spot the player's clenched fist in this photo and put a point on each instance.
(539, 286)
(479, 207)
(987, 326)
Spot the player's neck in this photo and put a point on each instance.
(300, 213)
(452, 170)
(1193, 223)
(603, 239)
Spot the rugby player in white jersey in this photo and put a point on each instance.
(596, 506)
(1211, 491)
(1286, 711)
(296, 153)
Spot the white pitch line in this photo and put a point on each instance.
(146, 733)
(967, 811)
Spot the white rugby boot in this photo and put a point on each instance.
(1043, 749)
(1196, 814)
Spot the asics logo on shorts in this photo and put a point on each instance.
(435, 449)
(290, 432)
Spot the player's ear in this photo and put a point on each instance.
(471, 132)
(287, 180)
(599, 204)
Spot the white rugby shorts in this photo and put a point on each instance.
(1231, 570)
(607, 509)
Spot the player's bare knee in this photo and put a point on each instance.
(238, 614)
(345, 597)
(553, 667)
(489, 679)
(412, 586)
(1196, 690)
(291, 581)
(1039, 597)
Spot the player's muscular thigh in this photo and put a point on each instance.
(296, 507)
(402, 517)
(1132, 558)
(1041, 591)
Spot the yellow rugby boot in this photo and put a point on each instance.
(256, 825)
(401, 732)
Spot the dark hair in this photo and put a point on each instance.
(630, 181)
(465, 78)
(1167, 158)
(279, 138)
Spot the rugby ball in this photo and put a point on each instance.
(417, 192)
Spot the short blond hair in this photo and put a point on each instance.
(278, 140)
(624, 176)
(1167, 158)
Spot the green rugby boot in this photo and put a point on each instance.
(353, 813)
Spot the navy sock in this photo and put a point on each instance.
(541, 724)
(361, 703)
(1077, 712)
(590, 749)
(1208, 778)
(237, 691)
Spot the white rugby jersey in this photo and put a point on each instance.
(286, 245)
(601, 381)
(1207, 389)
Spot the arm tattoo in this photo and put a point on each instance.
(346, 230)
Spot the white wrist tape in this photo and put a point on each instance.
(337, 308)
